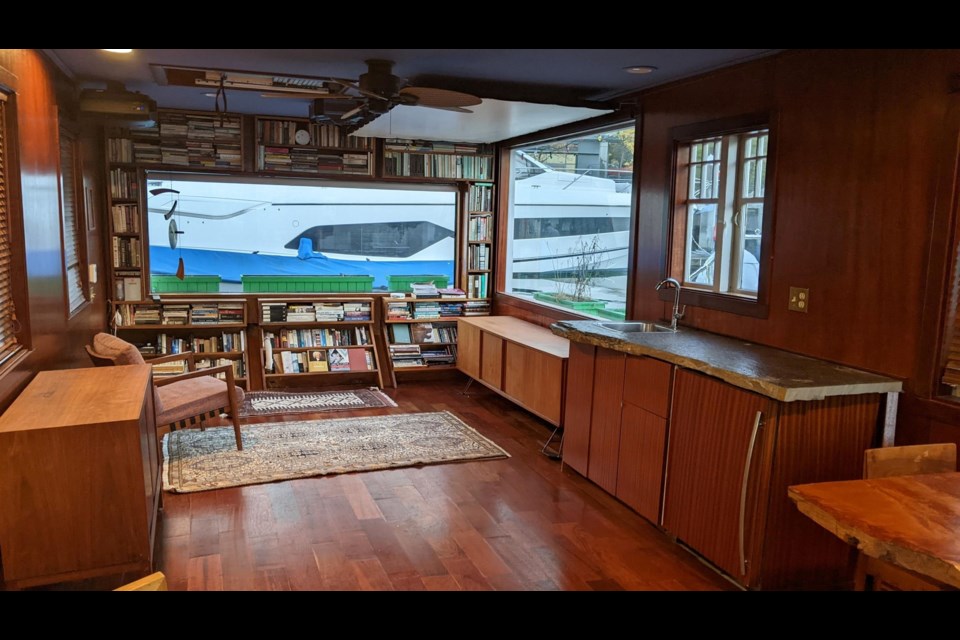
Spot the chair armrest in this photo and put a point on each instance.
(189, 356)
(212, 371)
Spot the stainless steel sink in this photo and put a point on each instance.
(635, 327)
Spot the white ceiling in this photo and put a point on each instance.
(571, 77)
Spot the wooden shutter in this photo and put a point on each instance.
(951, 370)
(8, 315)
(72, 228)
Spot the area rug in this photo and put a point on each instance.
(271, 403)
(196, 460)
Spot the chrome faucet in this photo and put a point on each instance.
(677, 311)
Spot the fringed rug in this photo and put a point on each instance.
(196, 460)
(271, 403)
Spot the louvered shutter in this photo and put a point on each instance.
(8, 315)
(71, 222)
(951, 371)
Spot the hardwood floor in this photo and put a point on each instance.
(519, 523)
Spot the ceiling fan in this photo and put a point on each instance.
(343, 102)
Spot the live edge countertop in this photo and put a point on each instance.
(780, 375)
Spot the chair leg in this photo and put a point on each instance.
(235, 417)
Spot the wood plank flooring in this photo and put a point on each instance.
(515, 524)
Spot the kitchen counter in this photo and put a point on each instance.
(771, 372)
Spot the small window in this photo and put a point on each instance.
(721, 212)
(72, 220)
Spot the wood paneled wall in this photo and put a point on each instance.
(57, 340)
(859, 154)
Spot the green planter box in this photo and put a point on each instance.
(576, 305)
(402, 283)
(189, 284)
(307, 284)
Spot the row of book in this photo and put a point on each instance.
(423, 333)
(126, 253)
(321, 360)
(477, 285)
(480, 197)
(418, 165)
(175, 368)
(311, 160)
(315, 312)
(224, 343)
(182, 314)
(351, 336)
(126, 218)
(284, 132)
(200, 140)
(435, 146)
(427, 310)
(124, 184)
(126, 285)
(406, 356)
(479, 227)
(120, 150)
(478, 256)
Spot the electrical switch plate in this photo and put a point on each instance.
(799, 299)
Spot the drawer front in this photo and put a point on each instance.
(647, 384)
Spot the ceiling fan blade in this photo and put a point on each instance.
(352, 112)
(455, 109)
(429, 97)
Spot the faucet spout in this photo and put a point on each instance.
(677, 311)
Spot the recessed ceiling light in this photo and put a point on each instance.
(640, 69)
(118, 50)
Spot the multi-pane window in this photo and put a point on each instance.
(720, 206)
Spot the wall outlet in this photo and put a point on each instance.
(799, 299)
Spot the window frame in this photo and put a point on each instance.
(732, 301)
(65, 134)
(507, 151)
(15, 230)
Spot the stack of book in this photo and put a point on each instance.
(476, 308)
(301, 313)
(452, 292)
(204, 314)
(170, 368)
(434, 356)
(328, 311)
(398, 311)
(356, 311)
(451, 309)
(176, 314)
(424, 290)
(426, 310)
(146, 144)
(273, 312)
(406, 355)
(230, 312)
(147, 314)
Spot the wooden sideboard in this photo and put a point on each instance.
(519, 360)
(79, 476)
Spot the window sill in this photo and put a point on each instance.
(533, 306)
(11, 362)
(728, 303)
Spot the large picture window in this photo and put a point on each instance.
(235, 227)
(568, 227)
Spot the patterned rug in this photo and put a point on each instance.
(195, 460)
(271, 403)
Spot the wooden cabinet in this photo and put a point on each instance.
(521, 361)
(718, 436)
(605, 418)
(79, 476)
(643, 436)
(578, 406)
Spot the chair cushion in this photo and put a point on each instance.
(120, 350)
(189, 398)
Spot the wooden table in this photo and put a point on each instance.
(910, 521)
(79, 476)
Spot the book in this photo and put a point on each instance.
(338, 359)
(317, 362)
(421, 333)
(401, 333)
(357, 359)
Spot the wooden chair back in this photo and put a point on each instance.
(98, 359)
(909, 461)
(153, 582)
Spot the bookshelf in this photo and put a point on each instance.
(421, 333)
(290, 145)
(214, 329)
(124, 220)
(481, 227)
(434, 160)
(318, 336)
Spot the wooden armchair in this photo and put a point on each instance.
(188, 398)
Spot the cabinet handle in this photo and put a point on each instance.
(757, 422)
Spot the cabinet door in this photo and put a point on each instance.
(647, 384)
(643, 436)
(491, 360)
(535, 380)
(605, 419)
(468, 349)
(578, 406)
(714, 458)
